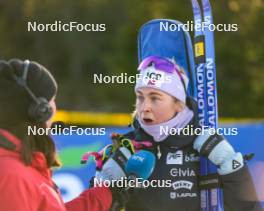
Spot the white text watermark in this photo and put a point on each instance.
(190, 26)
(190, 130)
(124, 78)
(132, 183)
(59, 26)
(67, 131)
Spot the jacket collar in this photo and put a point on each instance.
(10, 146)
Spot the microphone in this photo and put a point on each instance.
(140, 165)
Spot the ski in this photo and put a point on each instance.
(216, 199)
(199, 53)
(211, 200)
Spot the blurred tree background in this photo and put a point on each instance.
(73, 57)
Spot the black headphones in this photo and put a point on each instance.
(39, 109)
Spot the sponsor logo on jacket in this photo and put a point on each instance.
(175, 158)
(178, 157)
(178, 172)
(182, 184)
(174, 195)
(192, 158)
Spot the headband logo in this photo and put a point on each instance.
(154, 78)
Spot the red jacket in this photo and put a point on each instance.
(30, 188)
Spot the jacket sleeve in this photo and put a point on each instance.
(239, 191)
(17, 194)
(94, 199)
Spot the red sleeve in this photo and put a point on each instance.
(17, 194)
(94, 199)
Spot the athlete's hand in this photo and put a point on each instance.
(217, 149)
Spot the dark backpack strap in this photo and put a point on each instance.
(210, 181)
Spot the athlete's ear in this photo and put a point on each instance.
(179, 106)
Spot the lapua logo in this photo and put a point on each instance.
(174, 195)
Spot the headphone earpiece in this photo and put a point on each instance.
(39, 109)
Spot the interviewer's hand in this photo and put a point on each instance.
(114, 167)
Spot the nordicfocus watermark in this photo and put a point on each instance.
(124, 78)
(202, 26)
(132, 183)
(67, 131)
(59, 26)
(203, 130)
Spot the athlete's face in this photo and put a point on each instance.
(154, 106)
(54, 109)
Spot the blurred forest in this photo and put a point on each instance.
(74, 56)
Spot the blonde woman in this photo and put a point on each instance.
(162, 106)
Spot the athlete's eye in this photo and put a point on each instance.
(140, 98)
(154, 99)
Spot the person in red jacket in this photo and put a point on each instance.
(27, 98)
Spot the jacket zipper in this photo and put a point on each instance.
(158, 152)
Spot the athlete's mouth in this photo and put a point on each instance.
(147, 120)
